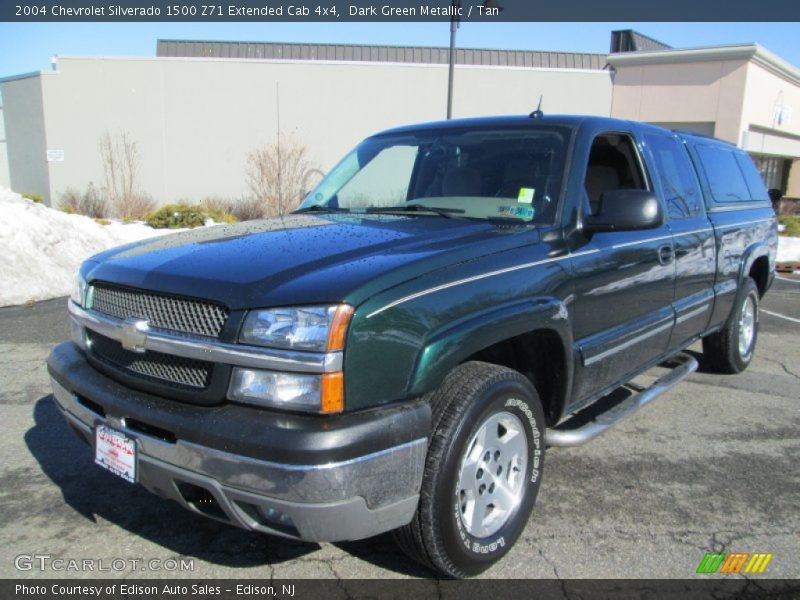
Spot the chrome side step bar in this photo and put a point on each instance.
(567, 437)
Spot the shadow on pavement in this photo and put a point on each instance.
(382, 552)
(96, 494)
(702, 363)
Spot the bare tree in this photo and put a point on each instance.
(279, 175)
(120, 157)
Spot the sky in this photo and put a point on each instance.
(26, 47)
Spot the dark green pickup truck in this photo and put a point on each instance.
(398, 353)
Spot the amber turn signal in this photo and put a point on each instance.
(332, 396)
(338, 329)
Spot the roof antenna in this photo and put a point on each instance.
(537, 114)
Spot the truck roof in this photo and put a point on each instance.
(504, 121)
(687, 135)
(529, 121)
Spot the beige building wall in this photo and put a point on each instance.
(743, 94)
(793, 183)
(768, 94)
(771, 118)
(705, 96)
(195, 120)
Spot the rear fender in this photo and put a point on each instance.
(753, 253)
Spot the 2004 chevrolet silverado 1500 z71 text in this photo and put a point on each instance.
(398, 352)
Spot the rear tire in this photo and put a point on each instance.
(731, 349)
(482, 472)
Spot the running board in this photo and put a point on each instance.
(686, 364)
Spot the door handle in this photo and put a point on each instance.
(666, 254)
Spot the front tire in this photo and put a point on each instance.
(482, 472)
(731, 349)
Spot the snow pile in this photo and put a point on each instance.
(788, 249)
(41, 248)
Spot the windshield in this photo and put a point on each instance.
(484, 174)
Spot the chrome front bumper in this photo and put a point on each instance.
(346, 500)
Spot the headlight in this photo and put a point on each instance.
(315, 328)
(293, 391)
(79, 289)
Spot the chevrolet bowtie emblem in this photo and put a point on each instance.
(133, 335)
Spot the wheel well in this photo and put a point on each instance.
(539, 355)
(760, 274)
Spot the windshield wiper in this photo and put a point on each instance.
(447, 213)
(320, 208)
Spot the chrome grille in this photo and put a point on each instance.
(164, 367)
(163, 312)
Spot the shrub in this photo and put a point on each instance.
(215, 203)
(102, 221)
(176, 216)
(88, 203)
(243, 209)
(792, 224)
(136, 207)
(248, 209)
(38, 198)
(220, 216)
(279, 175)
(220, 209)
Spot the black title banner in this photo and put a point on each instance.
(396, 10)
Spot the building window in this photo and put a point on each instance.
(773, 169)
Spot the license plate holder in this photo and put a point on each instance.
(116, 452)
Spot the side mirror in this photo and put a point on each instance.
(625, 210)
(774, 194)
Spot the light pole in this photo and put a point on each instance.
(455, 10)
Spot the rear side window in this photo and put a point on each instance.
(677, 176)
(723, 173)
(758, 191)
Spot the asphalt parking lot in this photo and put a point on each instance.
(714, 465)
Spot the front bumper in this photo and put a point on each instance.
(318, 479)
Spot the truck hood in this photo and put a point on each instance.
(303, 259)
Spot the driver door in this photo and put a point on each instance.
(624, 280)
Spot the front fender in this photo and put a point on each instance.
(449, 347)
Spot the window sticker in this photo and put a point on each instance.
(526, 195)
(520, 212)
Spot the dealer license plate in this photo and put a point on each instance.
(116, 452)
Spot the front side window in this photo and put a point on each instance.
(506, 174)
(677, 177)
(613, 165)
